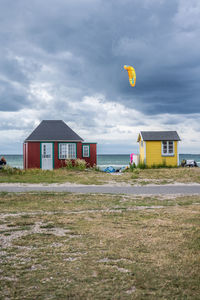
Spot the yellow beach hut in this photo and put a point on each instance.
(159, 147)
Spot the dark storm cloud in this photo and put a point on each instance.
(86, 43)
(12, 97)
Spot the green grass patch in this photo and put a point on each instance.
(71, 175)
(157, 175)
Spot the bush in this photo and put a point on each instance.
(132, 166)
(80, 164)
(68, 163)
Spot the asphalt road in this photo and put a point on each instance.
(105, 189)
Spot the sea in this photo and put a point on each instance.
(103, 160)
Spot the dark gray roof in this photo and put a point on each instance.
(53, 130)
(160, 136)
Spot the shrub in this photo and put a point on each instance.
(68, 163)
(80, 164)
(132, 167)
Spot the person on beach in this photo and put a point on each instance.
(2, 161)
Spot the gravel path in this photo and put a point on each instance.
(187, 189)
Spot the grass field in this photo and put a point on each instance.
(68, 246)
(90, 176)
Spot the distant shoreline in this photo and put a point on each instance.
(103, 160)
(104, 154)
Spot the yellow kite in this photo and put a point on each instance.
(131, 74)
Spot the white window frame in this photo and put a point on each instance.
(88, 151)
(168, 152)
(67, 151)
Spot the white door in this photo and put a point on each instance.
(47, 156)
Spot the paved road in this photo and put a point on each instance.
(135, 190)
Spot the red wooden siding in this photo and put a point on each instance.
(79, 150)
(24, 155)
(92, 160)
(31, 152)
(32, 155)
(58, 163)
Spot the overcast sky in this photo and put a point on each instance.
(63, 60)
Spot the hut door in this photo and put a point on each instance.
(47, 157)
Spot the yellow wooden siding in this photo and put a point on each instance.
(154, 154)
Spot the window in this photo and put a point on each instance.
(67, 151)
(167, 148)
(46, 151)
(86, 151)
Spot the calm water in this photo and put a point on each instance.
(14, 160)
(103, 160)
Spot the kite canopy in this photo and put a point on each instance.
(131, 74)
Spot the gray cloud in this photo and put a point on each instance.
(101, 37)
(53, 54)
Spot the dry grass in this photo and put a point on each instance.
(161, 176)
(66, 246)
(90, 176)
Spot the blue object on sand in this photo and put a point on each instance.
(110, 170)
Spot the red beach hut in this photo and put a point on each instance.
(52, 142)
